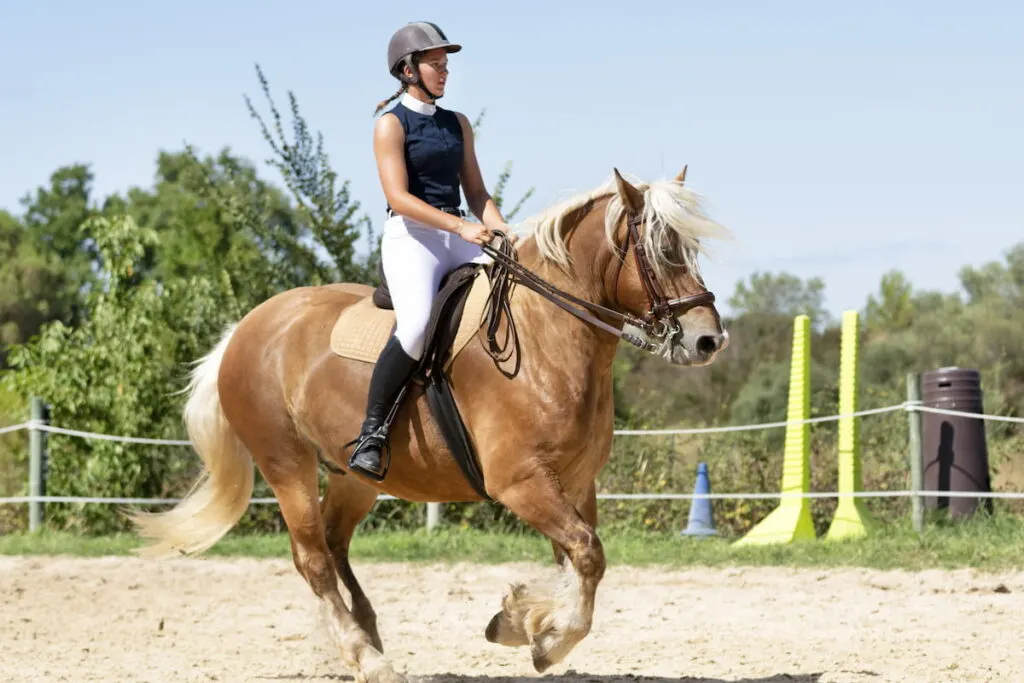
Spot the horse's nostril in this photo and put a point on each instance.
(707, 344)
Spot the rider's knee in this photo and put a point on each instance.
(413, 340)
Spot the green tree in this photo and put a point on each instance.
(893, 307)
(115, 373)
(995, 281)
(324, 205)
(216, 214)
(783, 295)
(33, 288)
(52, 217)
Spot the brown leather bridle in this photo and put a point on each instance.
(658, 322)
(660, 309)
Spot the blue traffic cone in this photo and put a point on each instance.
(701, 522)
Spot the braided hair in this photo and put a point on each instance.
(384, 103)
(413, 62)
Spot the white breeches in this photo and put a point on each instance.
(415, 257)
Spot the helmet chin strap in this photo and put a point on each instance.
(416, 80)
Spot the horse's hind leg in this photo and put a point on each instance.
(294, 480)
(551, 622)
(345, 505)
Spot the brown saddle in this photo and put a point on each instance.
(362, 329)
(457, 315)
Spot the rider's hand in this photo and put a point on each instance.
(505, 229)
(477, 233)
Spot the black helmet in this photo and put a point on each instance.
(414, 37)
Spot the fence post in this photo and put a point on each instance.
(914, 447)
(433, 515)
(36, 463)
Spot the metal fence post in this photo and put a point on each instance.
(914, 450)
(36, 464)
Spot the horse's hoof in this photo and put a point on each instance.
(541, 661)
(384, 674)
(499, 631)
(552, 647)
(491, 632)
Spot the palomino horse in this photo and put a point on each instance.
(273, 393)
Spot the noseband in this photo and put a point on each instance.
(657, 323)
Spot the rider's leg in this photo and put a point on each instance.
(414, 262)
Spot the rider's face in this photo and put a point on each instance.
(433, 66)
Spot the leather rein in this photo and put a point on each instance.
(658, 321)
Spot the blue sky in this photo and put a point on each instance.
(835, 139)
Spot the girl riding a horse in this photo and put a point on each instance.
(425, 155)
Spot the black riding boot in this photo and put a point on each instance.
(391, 372)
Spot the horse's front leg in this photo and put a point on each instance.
(551, 620)
(587, 507)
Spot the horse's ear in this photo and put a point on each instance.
(681, 178)
(631, 197)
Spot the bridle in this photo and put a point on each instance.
(657, 323)
(659, 320)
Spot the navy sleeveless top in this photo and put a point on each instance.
(433, 155)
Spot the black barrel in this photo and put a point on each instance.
(955, 452)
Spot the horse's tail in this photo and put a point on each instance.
(221, 494)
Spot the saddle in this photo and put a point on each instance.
(362, 330)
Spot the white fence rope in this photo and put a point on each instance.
(111, 437)
(906, 405)
(761, 425)
(43, 427)
(960, 413)
(14, 428)
(1012, 495)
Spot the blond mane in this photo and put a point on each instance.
(673, 230)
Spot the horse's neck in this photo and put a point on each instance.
(553, 341)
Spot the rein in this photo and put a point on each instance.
(657, 322)
(508, 269)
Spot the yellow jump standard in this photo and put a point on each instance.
(791, 520)
(852, 518)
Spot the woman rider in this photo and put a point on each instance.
(424, 154)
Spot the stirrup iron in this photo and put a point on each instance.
(380, 435)
(380, 438)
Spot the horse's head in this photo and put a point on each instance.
(657, 230)
(643, 263)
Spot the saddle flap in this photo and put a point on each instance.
(448, 311)
(457, 315)
(382, 295)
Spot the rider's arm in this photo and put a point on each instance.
(480, 202)
(388, 148)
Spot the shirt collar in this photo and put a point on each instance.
(418, 106)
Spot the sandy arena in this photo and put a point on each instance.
(214, 619)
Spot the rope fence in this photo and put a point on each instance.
(905, 406)
(1012, 495)
(908, 406)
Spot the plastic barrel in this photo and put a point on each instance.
(954, 449)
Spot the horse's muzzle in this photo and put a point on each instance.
(699, 348)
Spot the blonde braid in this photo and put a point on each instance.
(384, 103)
